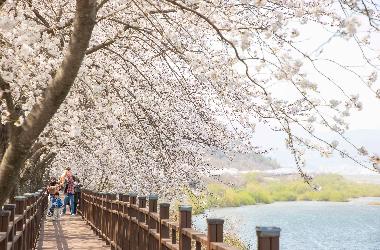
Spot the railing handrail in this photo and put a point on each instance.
(20, 221)
(128, 223)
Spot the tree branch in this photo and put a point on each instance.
(100, 46)
(51, 30)
(57, 90)
(53, 97)
(41, 18)
(5, 93)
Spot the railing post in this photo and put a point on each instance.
(125, 221)
(122, 197)
(28, 227)
(35, 219)
(142, 204)
(152, 209)
(126, 198)
(114, 220)
(40, 205)
(141, 219)
(80, 204)
(214, 231)
(94, 202)
(11, 208)
(268, 238)
(4, 222)
(164, 230)
(119, 221)
(132, 201)
(153, 203)
(152, 224)
(184, 222)
(20, 210)
(132, 228)
(109, 217)
(103, 223)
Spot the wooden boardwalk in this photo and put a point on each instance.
(69, 233)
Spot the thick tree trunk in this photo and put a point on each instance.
(3, 140)
(53, 97)
(2, 2)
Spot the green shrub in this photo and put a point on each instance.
(257, 189)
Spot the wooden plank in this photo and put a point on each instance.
(3, 236)
(222, 246)
(143, 226)
(154, 233)
(69, 233)
(171, 225)
(264, 243)
(171, 246)
(17, 218)
(202, 238)
(144, 210)
(134, 206)
(10, 226)
(190, 232)
(18, 235)
(154, 216)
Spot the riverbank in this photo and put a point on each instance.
(257, 190)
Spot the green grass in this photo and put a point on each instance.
(258, 190)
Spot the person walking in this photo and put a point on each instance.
(67, 181)
(52, 189)
(56, 204)
(77, 191)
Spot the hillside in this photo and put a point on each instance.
(241, 162)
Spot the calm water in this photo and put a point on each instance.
(307, 225)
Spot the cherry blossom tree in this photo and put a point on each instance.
(22, 136)
(160, 84)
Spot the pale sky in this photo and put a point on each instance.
(345, 52)
(348, 53)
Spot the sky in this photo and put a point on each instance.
(347, 53)
(364, 126)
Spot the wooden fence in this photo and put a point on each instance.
(127, 223)
(20, 221)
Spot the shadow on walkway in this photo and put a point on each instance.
(69, 233)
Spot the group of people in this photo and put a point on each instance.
(69, 185)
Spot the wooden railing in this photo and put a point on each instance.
(20, 221)
(127, 223)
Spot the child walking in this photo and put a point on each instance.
(52, 189)
(56, 204)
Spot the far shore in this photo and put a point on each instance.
(257, 189)
(375, 202)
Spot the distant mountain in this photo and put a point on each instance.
(280, 157)
(242, 162)
(369, 138)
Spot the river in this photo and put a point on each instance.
(313, 225)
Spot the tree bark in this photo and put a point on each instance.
(54, 95)
(3, 139)
(2, 2)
